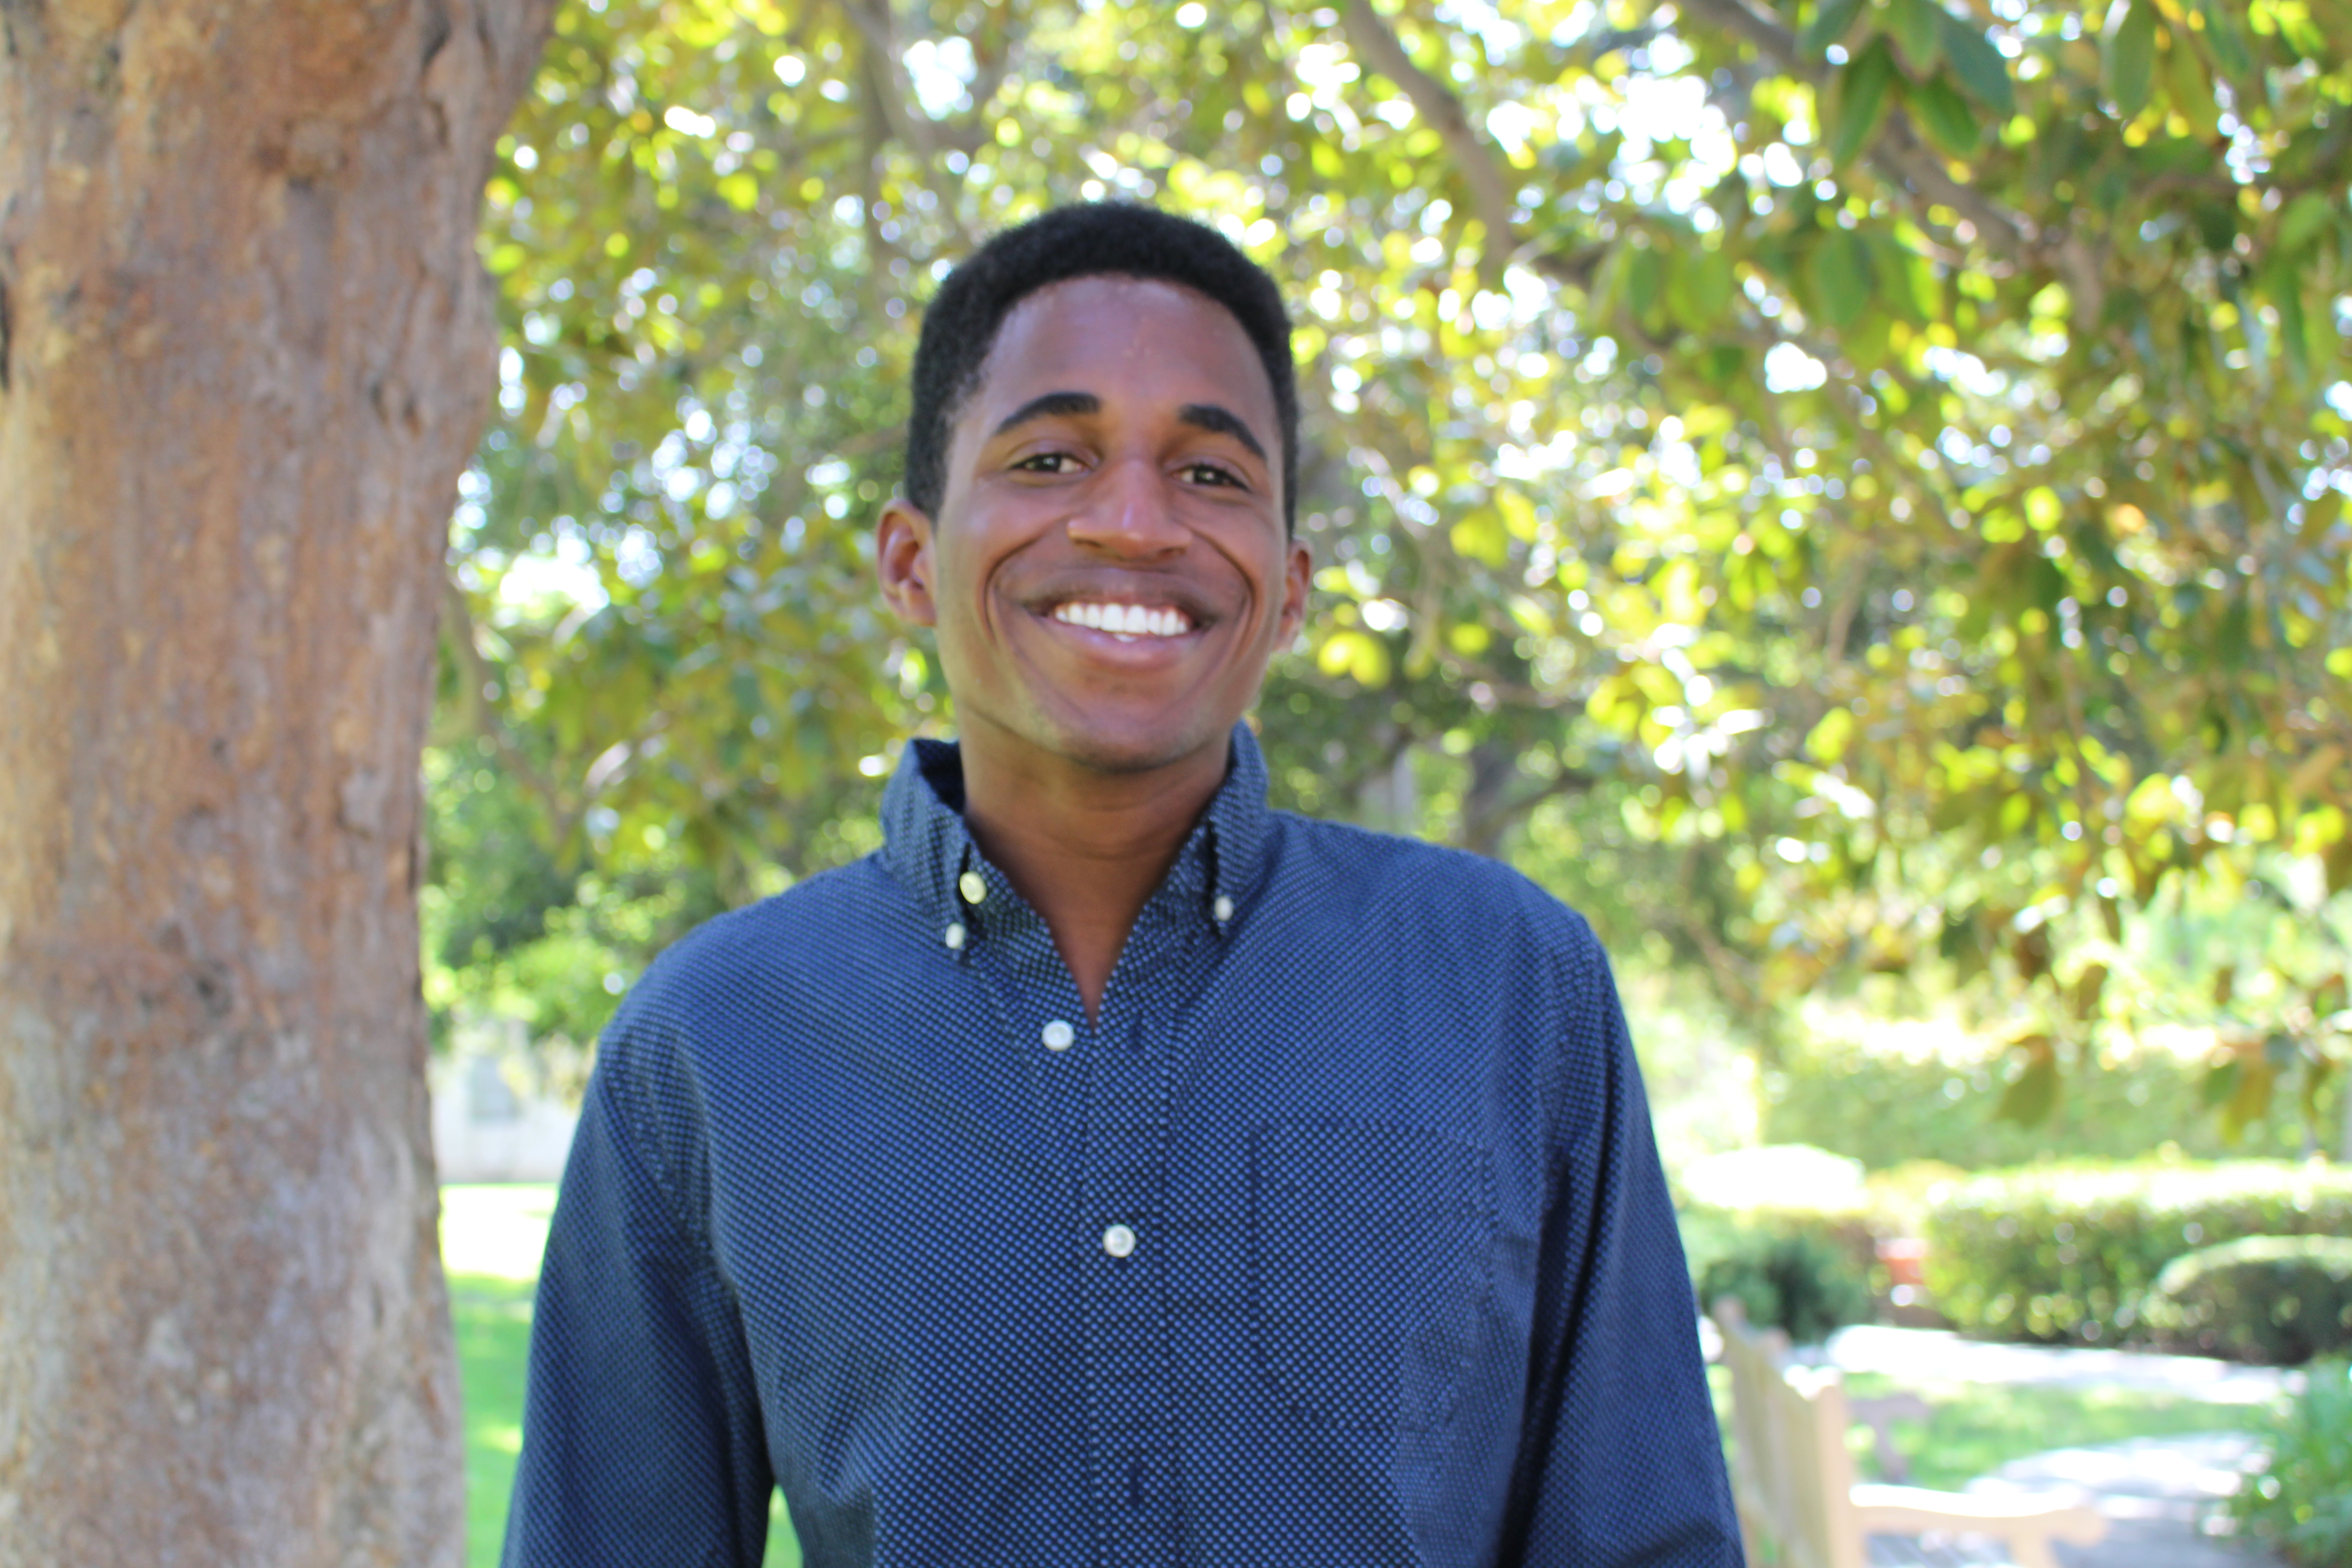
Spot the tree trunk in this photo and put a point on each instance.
(245, 349)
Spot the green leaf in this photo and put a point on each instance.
(2285, 292)
(2131, 59)
(1981, 67)
(1644, 271)
(1917, 27)
(2029, 1100)
(2087, 989)
(1359, 656)
(1831, 20)
(2307, 217)
(1701, 286)
(2192, 89)
(1829, 738)
(1945, 115)
(2251, 1101)
(1858, 101)
(1838, 274)
(2228, 43)
(740, 191)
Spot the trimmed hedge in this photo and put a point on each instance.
(2069, 1253)
(1800, 1283)
(1849, 1226)
(2280, 1298)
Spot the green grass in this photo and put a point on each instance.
(1977, 1427)
(493, 1317)
(490, 1241)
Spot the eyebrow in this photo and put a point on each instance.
(1223, 422)
(1210, 416)
(1050, 406)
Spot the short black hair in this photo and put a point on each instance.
(1087, 239)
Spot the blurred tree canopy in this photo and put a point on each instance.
(1831, 487)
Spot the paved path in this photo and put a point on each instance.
(1932, 1354)
(2157, 1493)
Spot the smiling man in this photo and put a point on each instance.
(1112, 1170)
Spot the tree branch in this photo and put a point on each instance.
(1492, 198)
(1903, 159)
(895, 91)
(893, 97)
(1490, 192)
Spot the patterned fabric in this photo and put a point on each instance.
(1337, 1241)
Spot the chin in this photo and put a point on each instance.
(1135, 746)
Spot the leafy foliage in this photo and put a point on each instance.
(2302, 1499)
(1887, 1107)
(1870, 477)
(2266, 1298)
(2068, 1253)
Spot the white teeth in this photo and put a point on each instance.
(1124, 620)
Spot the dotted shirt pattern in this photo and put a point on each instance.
(1339, 1239)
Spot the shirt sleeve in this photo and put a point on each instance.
(1620, 1460)
(642, 1440)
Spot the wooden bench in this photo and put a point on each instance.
(1792, 1474)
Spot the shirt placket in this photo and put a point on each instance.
(1125, 1281)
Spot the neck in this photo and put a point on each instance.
(1084, 846)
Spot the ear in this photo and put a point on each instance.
(1297, 578)
(902, 559)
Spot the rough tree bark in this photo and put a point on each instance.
(245, 347)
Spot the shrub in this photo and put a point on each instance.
(2301, 1500)
(1735, 1202)
(1799, 1283)
(1727, 1200)
(2281, 1299)
(2062, 1252)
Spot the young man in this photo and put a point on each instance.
(1111, 1170)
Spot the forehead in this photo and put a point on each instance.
(1125, 340)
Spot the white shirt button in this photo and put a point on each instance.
(1118, 1241)
(1059, 1035)
(955, 937)
(1224, 908)
(972, 886)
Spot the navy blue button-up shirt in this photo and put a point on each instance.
(1338, 1239)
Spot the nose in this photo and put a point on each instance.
(1127, 512)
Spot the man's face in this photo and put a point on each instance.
(1108, 572)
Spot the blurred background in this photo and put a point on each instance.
(1846, 493)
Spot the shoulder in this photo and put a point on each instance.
(757, 956)
(1437, 893)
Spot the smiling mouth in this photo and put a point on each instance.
(1126, 622)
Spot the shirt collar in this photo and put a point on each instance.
(927, 848)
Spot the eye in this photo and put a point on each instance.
(1213, 474)
(1047, 463)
